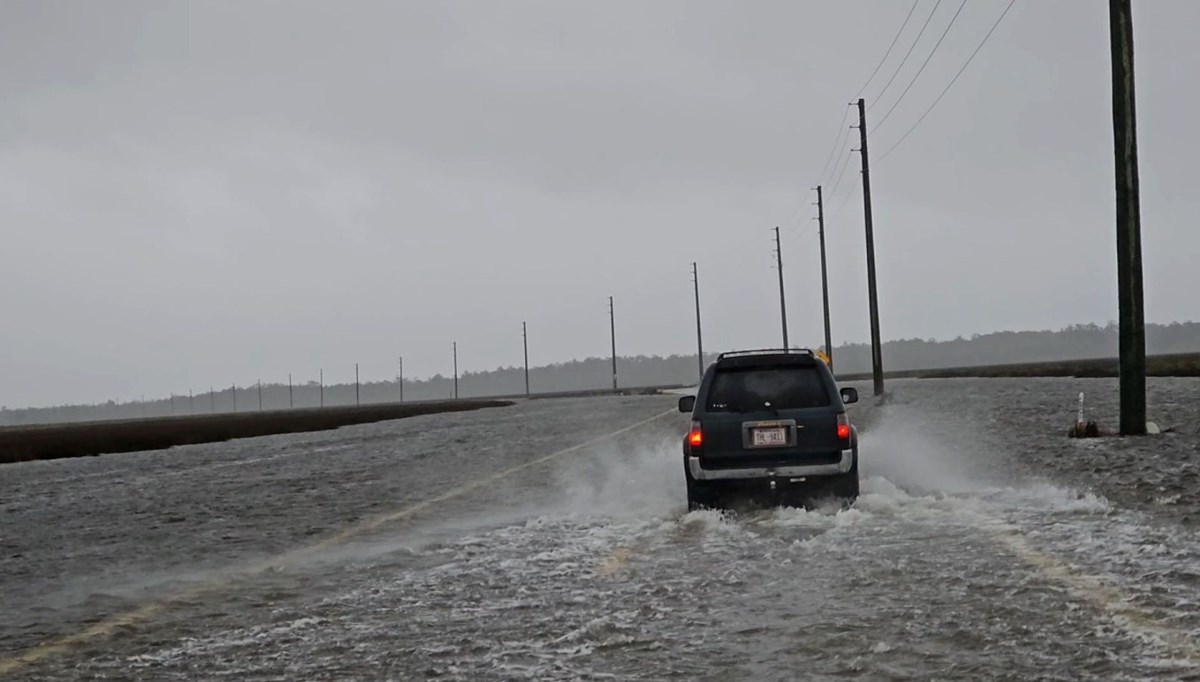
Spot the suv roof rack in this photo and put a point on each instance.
(765, 351)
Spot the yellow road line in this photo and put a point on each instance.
(615, 562)
(1127, 615)
(147, 611)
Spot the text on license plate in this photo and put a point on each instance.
(768, 437)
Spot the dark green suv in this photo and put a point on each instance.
(773, 424)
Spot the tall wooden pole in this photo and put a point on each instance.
(1131, 311)
(824, 275)
(612, 327)
(872, 292)
(525, 344)
(782, 303)
(699, 337)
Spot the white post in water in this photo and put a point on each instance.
(1084, 428)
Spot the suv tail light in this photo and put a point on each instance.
(843, 427)
(695, 437)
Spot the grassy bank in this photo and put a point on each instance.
(54, 441)
(1177, 365)
(593, 393)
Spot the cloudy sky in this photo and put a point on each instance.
(199, 193)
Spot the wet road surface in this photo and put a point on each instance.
(986, 545)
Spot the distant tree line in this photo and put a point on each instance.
(1072, 343)
(1076, 342)
(577, 375)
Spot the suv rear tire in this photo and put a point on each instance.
(699, 495)
(842, 487)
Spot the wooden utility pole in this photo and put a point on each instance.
(1132, 330)
(612, 327)
(873, 297)
(699, 338)
(455, 351)
(357, 400)
(782, 303)
(525, 343)
(400, 378)
(322, 384)
(824, 274)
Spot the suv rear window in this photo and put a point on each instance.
(749, 389)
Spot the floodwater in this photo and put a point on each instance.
(488, 546)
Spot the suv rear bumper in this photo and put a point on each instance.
(840, 467)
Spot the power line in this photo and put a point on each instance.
(841, 173)
(950, 84)
(830, 168)
(800, 234)
(909, 53)
(843, 129)
(923, 65)
(845, 199)
(834, 203)
(837, 142)
(888, 53)
(837, 183)
(795, 215)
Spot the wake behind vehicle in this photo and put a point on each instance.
(769, 424)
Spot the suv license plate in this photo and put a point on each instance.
(770, 437)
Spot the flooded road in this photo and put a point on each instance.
(550, 540)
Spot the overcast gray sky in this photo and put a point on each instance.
(197, 193)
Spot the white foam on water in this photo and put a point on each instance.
(709, 520)
(1046, 496)
(305, 628)
(792, 517)
(1075, 538)
(618, 525)
(910, 479)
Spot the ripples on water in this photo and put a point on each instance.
(983, 546)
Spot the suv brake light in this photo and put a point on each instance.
(695, 436)
(843, 427)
